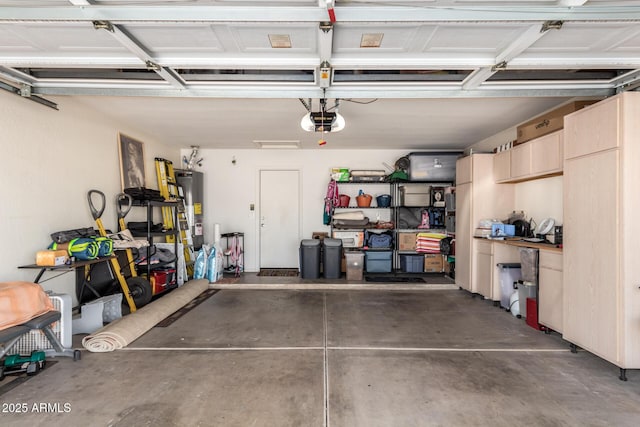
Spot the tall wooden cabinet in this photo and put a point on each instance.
(601, 267)
(477, 197)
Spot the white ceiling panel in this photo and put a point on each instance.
(580, 37)
(50, 40)
(396, 38)
(465, 38)
(177, 40)
(251, 38)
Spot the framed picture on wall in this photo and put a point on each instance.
(131, 162)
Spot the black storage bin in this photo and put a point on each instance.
(332, 258)
(310, 259)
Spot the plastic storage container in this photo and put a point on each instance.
(310, 259)
(350, 239)
(383, 200)
(509, 274)
(412, 263)
(418, 195)
(355, 265)
(433, 166)
(525, 290)
(332, 258)
(378, 261)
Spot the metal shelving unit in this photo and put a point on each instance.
(394, 214)
(147, 269)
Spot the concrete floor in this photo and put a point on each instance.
(283, 357)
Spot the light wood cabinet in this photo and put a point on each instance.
(464, 235)
(464, 170)
(601, 272)
(483, 273)
(598, 131)
(550, 290)
(521, 161)
(547, 154)
(534, 159)
(477, 197)
(502, 166)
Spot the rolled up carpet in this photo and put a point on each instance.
(122, 332)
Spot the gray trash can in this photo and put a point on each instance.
(310, 258)
(525, 290)
(332, 258)
(510, 272)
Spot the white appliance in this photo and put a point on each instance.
(36, 340)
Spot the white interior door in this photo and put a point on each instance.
(279, 218)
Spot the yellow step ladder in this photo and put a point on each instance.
(170, 190)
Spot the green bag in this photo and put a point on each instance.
(105, 245)
(82, 248)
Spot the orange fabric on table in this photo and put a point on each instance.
(21, 302)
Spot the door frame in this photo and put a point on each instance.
(259, 207)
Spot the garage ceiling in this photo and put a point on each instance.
(418, 74)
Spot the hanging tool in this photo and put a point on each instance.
(136, 290)
(171, 191)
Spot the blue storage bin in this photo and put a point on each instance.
(378, 261)
(412, 263)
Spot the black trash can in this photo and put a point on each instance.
(332, 258)
(310, 259)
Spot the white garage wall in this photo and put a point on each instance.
(541, 199)
(51, 159)
(231, 188)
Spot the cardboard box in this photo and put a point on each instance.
(320, 235)
(51, 258)
(433, 263)
(407, 241)
(549, 122)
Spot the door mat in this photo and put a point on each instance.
(281, 272)
(227, 280)
(187, 308)
(394, 279)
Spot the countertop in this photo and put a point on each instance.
(517, 241)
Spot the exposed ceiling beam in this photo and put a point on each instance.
(135, 47)
(121, 14)
(15, 76)
(325, 41)
(286, 91)
(626, 80)
(325, 50)
(524, 41)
